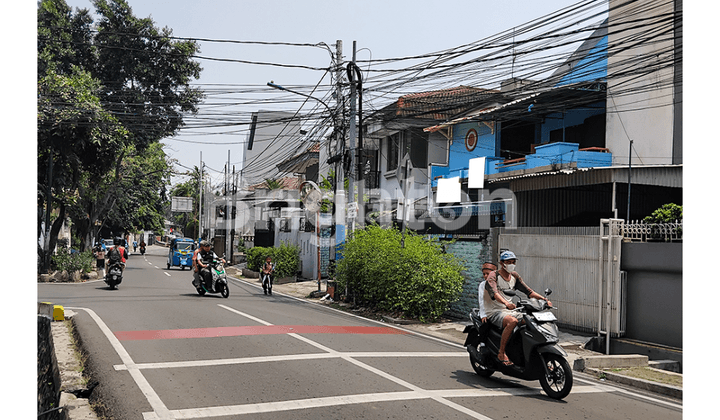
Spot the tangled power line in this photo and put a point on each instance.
(535, 50)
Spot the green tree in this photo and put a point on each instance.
(77, 134)
(146, 73)
(107, 93)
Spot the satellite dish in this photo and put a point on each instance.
(311, 196)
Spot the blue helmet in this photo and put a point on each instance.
(507, 255)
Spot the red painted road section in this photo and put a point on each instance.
(250, 330)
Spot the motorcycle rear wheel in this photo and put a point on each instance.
(201, 291)
(224, 291)
(479, 368)
(559, 382)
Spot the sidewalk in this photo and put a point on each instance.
(603, 367)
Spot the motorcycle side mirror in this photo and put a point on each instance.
(548, 292)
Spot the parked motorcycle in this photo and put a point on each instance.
(113, 274)
(219, 280)
(532, 348)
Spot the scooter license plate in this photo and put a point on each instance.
(545, 316)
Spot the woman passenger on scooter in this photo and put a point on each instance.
(499, 307)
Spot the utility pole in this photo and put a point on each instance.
(233, 213)
(357, 158)
(228, 245)
(352, 133)
(200, 198)
(627, 216)
(340, 149)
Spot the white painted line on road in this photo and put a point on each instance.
(166, 273)
(258, 320)
(155, 402)
(271, 407)
(421, 392)
(285, 358)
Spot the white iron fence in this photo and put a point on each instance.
(640, 231)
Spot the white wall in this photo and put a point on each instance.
(639, 108)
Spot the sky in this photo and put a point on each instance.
(380, 28)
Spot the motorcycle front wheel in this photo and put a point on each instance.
(559, 381)
(201, 291)
(224, 291)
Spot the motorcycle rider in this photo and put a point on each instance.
(120, 256)
(499, 307)
(203, 259)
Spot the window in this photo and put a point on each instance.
(413, 142)
(393, 150)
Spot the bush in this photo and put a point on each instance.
(419, 279)
(64, 260)
(286, 258)
(256, 256)
(668, 213)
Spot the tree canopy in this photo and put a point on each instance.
(108, 92)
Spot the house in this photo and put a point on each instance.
(399, 149)
(556, 150)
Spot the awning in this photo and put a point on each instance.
(659, 175)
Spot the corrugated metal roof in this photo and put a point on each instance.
(660, 175)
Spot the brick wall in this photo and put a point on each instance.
(474, 253)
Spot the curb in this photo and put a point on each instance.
(656, 387)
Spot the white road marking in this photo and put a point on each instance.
(283, 358)
(166, 273)
(161, 412)
(422, 393)
(154, 400)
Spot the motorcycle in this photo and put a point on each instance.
(142, 250)
(113, 275)
(219, 280)
(532, 348)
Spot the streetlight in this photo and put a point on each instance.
(278, 87)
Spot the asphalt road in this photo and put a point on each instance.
(161, 351)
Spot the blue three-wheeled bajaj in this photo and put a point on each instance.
(180, 253)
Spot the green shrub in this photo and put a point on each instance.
(70, 262)
(286, 258)
(419, 279)
(256, 256)
(668, 213)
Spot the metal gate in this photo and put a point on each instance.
(576, 263)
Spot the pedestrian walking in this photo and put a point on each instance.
(99, 253)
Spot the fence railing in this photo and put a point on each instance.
(640, 231)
